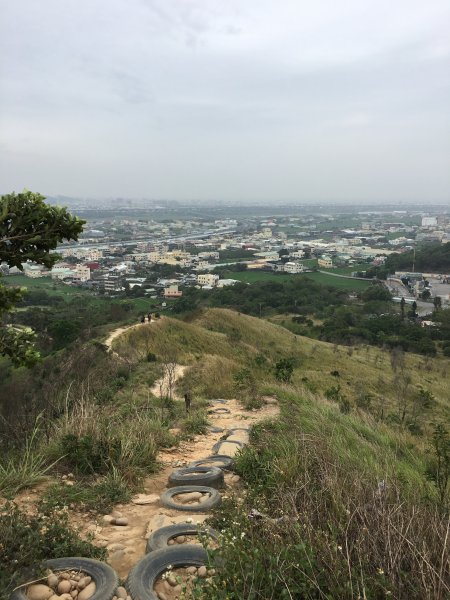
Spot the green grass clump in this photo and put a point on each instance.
(26, 540)
(24, 469)
(196, 423)
(98, 495)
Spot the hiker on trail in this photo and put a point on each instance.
(143, 319)
(149, 316)
(187, 401)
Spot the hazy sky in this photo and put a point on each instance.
(232, 99)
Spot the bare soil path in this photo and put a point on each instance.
(126, 544)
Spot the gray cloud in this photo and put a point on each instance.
(226, 99)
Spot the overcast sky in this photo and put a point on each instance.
(232, 99)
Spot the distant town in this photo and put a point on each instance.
(143, 256)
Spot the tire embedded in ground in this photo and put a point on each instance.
(213, 500)
(104, 577)
(213, 429)
(141, 580)
(217, 460)
(205, 475)
(219, 411)
(160, 538)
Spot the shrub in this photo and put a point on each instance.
(196, 423)
(26, 540)
(284, 369)
(98, 496)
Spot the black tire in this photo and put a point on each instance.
(161, 537)
(142, 578)
(214, 499)
(217, 460)
(106, 579)
(219, 401)
(233, 431)
(219, 411)
(214, 429)
(209, 476)
(217, 445)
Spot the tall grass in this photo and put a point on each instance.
(24, 469)
(344, 512)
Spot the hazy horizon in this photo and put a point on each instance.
(197, 100)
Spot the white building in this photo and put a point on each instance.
(429, 221)
(293, 267)
(33, 271)
(207, 279)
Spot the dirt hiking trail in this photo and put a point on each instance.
(126, 543)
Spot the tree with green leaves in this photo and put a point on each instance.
(29, 230)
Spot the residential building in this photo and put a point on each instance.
(172, 292)
(325, 262)
(207, 279)
(293, 267)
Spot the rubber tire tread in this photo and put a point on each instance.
(227, 461)
(106, 579)
(160, 538)
(143, 576)
(211, 477)
(214, 500)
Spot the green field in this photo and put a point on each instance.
(338, 282)
(51, 286)
(56, 288)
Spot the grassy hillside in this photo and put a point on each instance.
(343, 480)
(367, 376)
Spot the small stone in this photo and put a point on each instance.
(123, 521)
(64, 477)
(121, 592)
(142, 499)
(64, 575)
(84, 581)
(69, 482)
(211, 572)
(39, 591)
(171, 580)
(54, 597)
(202, 571)
(189, 497)
(162, 596)
(177, 589)
(52, 580)
(114, 547)
(70, 475)
(171, 542)
(235, 478)
(181, 539)
(129, 598)
(74, 593)
(116, 514)
(65, 597)
(88, 591)
(108, 518)
(191, 570)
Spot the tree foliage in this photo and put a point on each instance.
(29, 230)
